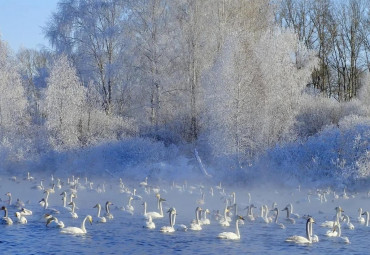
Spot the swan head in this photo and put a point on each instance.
(90, 219)
(239, 218)
(50, 220)
(63, 193)
(3, 208)
(71, 203)
(158, 195)
(285, 209)
(310, 220)
(8, 194)
(97, 206)
(339, 209)
(17, 214)
(161, 200)
(108, 203)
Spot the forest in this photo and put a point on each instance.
(261, 89)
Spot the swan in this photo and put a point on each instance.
(232, 235)
(268, 219)
(76, 230)
(224, 221)
(205, 221)
(293, 215)
(195, 225)
(338, 237)
(331, 223)
(9, 198)
(360, 219)
(172, 217)
(64, 199)
(73, 213)
(20, 218)
(25, 212)
(46, 209)
(149, 223)
(280, 225)
(144, 183)
(6, 220)
(154, 215)
(348, 224)
(101, 219)
(58, 223)
(288, 218)
(262, 218)
(250, 216)
(301, 239)
(334, 231)
(129, 208)
(108, 214)
(367, 218)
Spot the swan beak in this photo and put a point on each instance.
(90, 220)
(48, 221)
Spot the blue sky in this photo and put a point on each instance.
(21, 22)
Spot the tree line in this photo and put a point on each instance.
(230, 76)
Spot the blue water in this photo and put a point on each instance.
(125, 233)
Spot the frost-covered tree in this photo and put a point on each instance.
(258, 81)
(14, 119)
(91, 33)
(64, 104)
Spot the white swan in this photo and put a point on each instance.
(250, 216)
(73, 213)
(100, 219)
(348, 224)
(57, 223)
(288, 218)
(149, 223)
(172, 217)
(360, 219)
(279, 225)
(232, 235)
(154, 215)
(224, 221)
(337, 217)
(292, 215)
(20, 218)
(76, 230)
(205, 220)
(108, 214)
(25, 212)
(6, 220)
(367, 218)
(195, 225)
(301, 239)
(129, 208)
(338, 237)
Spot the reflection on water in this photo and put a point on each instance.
(125, 233)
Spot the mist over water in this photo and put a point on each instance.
(126, 234)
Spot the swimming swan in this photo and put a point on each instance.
(331, 223)
(76, 230)
(232, 235)
(339, 238)
(20, 218)
(58, 223)
(73, 213)
(279, 225)
(360, 219)
(101, 219)
(6, 220)
(108, 214)
(149, 223)
(195, 225)
(154, 215)
(172, 217)
(301, 239)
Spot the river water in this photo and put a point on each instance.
(125, 233)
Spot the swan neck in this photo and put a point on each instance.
(308, 230)
(107, 208)
(144, 208)
(237, 228)
(276, 217)
(160, 209)
(6, 213)
(99, 209)
(83, 225)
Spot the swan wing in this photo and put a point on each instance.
(298, 239)
(228, 235)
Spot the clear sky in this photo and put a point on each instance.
(21, 22)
